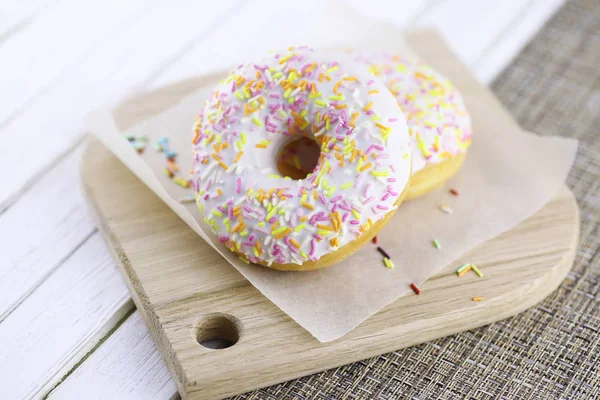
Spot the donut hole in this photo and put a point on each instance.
(298, 158)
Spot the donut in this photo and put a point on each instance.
(361, 176)
(436, 116)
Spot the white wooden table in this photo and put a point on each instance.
(68, 328)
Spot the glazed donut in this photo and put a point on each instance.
(362, 174)
(436, 116)
(435, 112)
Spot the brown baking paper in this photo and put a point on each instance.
(508, 175)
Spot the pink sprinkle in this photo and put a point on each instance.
(367, 201)
(293, 249)
(317, 236)
(248, 244)
(239, 185)
(354, 222)
(391, 179)
(370, 82)
(336, 198)
(345, 217)
(312, 248)
(223, 239)
(382, 207)
(371, 147)
(334, 208)
(322, 198)
(367, 188)
(313, 219)
(251, 238)
(272, 220)
(359, 180)
(379, 147)
(393, 119)
(275, 95)
(392, 192)
(206, 196)
(384, 198)
(293, 220)
(247, 208)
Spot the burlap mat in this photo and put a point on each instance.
(553, 350)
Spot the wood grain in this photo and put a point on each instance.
(178, 281)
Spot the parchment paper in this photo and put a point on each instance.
(508, 175)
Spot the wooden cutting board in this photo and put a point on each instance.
(187, 293)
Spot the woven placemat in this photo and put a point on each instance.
(551, 351)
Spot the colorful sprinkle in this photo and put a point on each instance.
(454, 192)
(477, 271)
(415, 288)
(436, 244)
(478, 298)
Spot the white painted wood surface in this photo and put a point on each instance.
(61, 58)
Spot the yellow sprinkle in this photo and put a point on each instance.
(261, 146)
(366, 166)
(217, 213)
(238, 156)
(478, 298)
(380, 173)
(332, 69)
(477, 271)
(223, 165)
(220, 191)
(307, 205)
(244, 260)
(243, 137)
(368, 106)
(299, 227)
(272, 213)
(320, 103)
(279, 230)
(257, 121)
(346, 185)
(356, 214)
(374, 91)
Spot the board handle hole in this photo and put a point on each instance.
(218, 331)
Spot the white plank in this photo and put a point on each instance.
(60, 322)
(513, 38)
(128, 366)
(54, 120)
(399, 13)
(16, 14)
(281, 25)
(44, 227)
(35, 57)
(469, 25)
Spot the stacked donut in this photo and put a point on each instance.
(371, 121)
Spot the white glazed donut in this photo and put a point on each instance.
(363, 170)
(436, 116)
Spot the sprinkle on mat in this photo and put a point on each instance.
(374, 239)
(478, 298)
(383, 252)
(388, 263)
(454, 192)
(446, 208)
(415, 288)
(436, 244)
